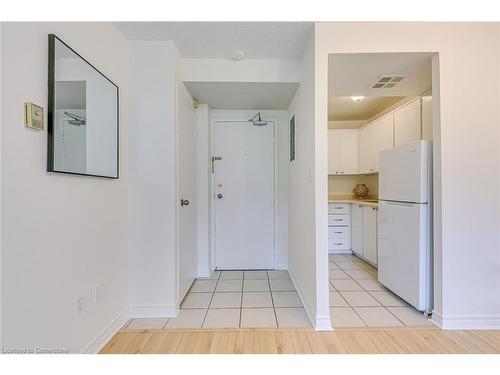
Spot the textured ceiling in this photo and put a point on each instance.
(259, 40)
(345, 109)
(356, 73)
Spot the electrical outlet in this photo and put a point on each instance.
(100, 292)
(80, 305)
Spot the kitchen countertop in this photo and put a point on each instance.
(368, 201)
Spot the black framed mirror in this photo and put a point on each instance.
(82, 115)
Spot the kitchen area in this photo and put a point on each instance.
(380, 189)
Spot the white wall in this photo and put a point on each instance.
(307, 263)
(152, 186)
(252, 70)
(63, 235)
(203, 206)
(343, 184)
(282, 130)
(1, 184)
(466, 158)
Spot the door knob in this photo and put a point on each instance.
(184, 202)
(219, 196)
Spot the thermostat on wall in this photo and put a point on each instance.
(33, 116)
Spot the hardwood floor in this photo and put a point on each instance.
(305, 341)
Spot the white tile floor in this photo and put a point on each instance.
(234, 299)
(357, 299)
(256, 299)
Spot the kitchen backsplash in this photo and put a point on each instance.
(343, 185)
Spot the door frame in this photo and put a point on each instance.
(241, 117)
(177, 195)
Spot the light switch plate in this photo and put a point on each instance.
(33, 116)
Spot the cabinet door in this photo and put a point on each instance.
(333, 151)
(370, 234)
(407, 124)
(427, 117)
(383, 138)
(357, 229)
(365, 149)
(349, 151)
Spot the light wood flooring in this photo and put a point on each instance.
(305, 341)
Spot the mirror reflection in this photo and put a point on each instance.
(83, 115)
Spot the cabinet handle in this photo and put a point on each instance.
(342, 172)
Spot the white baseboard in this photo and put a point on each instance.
(282, 266)
(339, 252)
(320, 323)
(205, 272)
(106, 334)
(437, 318)
(466, 321)
(153, 311)
(323, 323)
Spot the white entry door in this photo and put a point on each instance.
(244, 195)
(186, 191)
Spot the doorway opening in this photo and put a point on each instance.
(380, 214)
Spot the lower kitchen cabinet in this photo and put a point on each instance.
(339, 227)
(357, 229)
(353, 226)
(369, 236)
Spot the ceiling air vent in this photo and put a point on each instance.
(387, 81)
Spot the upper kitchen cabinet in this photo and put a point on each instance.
(343, 151)
(365, 149)
(374, 138)
(408, 124)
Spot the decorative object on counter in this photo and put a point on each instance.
(360, 191)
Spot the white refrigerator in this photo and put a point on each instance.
(405, 223)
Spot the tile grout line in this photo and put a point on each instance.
(128, 323)
(241, 299)
(367, 291)
(272, 299)
(352, 307)
(211, 298)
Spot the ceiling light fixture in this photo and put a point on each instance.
(357, 98)
(238, 54)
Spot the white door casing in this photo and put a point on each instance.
(186, 191)
(244, 195)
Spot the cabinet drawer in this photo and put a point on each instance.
(338, 208)
(342, 220)
(339, 238)
(339, 233)
(338, 245)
